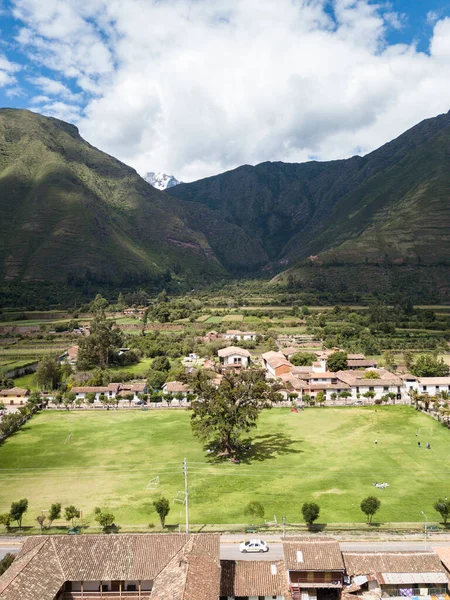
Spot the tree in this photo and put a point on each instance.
(254, 509)
(370, 506)
(345, 394)
(162, 507)
(71, 513)
(442, 506)
(370, 394)
(320, 397)
(303, 359)
(18, 509)
(5, 520)
(337, 361)
(389, 360)
(54, 512)
(428, 366)
(161, 363)
(90, 397)
(371, 375)
(48, 374)
(310, 512)
(156, 379)
(101, 346)
(6, 562)
(407, 358)
(41, 520)
(104, 518)
(222, 414)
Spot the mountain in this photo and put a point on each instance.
(362, 223)
(161, 181)
(71, 213)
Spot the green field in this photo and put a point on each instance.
(326, 455)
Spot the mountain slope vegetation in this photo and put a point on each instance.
(391, 207)
(70, 211)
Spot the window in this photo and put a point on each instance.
(385, 388)
(424, 388)
(131, 587)
(371, 389)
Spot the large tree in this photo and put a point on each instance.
(337, 362)
(100, 348)
(428, 366)
(370, 506)
(48, 374)
(222, 414)
(303, 359)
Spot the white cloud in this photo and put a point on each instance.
(7, 71)
(432, 17)
(52, 87)
(195, 87)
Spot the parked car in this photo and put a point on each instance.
(254, 546)
(140, 402)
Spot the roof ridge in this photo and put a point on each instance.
(57, 558)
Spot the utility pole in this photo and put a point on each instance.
(186, 493)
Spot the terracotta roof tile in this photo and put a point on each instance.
(364, 563)
(315, 555)
(254, 578)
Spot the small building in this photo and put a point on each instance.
(289, 352)
(361, 363)
(234, 357)
(176, 387)
(315, 568)
(14, 396)
(110, 391)
(385, 382)
(275, 364)
(239, 336)
(71, 355)
(394, 574)
(433, 385)
(254, 580)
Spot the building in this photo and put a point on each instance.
(239, 336)
(176, 387)
(361, 363)
(385, 383)
(254, 580)
(234, 357)
(110, 391)
(433, 385)
(14, 396)
(70, 355)
(393, 574)
(315, 568)
(160, 567)
(275, 364)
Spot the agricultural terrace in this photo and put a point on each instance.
(326, 455)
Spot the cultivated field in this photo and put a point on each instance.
(326, 455)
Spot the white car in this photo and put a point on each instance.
(254, 546)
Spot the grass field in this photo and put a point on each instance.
(326, 455)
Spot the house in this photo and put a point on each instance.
(110, 391)
(160, 567)
(176, 387)
(132, 388)
(393, 574)
(361, 363)
(239, 336)
(289, 352)
(14, 396)
(234, 357)
(433, 385)
(70, 355)
(275, 363)
(385, 382)
(315, 568)
(255, 580)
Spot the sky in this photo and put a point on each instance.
(197, 87)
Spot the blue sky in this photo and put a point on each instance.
(194, 87)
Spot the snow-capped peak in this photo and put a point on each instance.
(161, 181)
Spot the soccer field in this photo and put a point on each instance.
(326, 455)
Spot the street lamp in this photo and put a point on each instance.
(426, 529)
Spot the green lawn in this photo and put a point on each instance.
(325, 455)
(141, 368)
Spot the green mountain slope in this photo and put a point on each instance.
(70, 211)
(391, 207)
